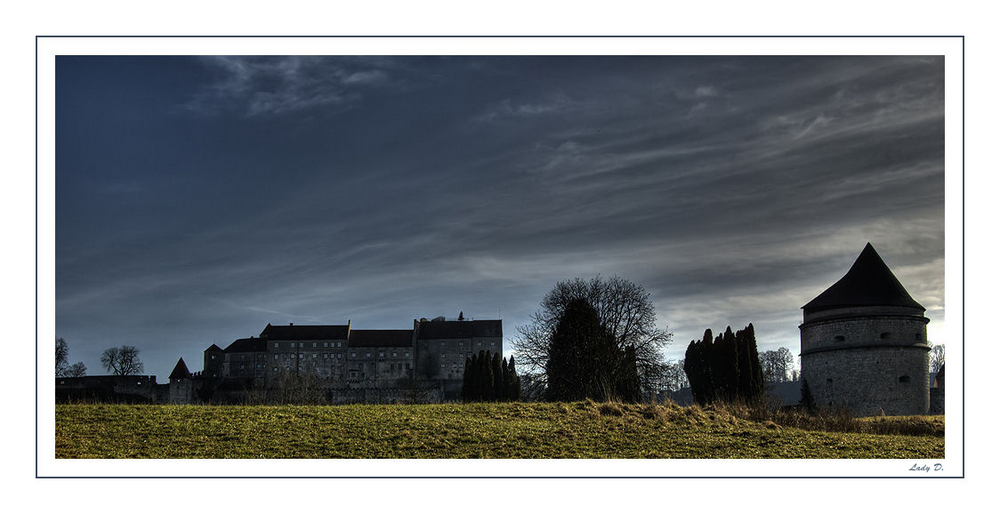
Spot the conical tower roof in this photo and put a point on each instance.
(869, 282)
(180, 370)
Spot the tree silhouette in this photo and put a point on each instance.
(122, 360)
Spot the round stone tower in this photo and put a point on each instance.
(864, 343)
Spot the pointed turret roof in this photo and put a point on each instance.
(180, 370)
(869, 282)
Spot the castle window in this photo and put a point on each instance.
(829, 381)
(917, 336)
(838, 338)
(493, 343)
(368, 354)
(275, 345)
(324, 345)
(905, 379)
(407, 354)
(314, 355)
(885, 335)
(275, 369)
(393, 354)
(314, 345)
(381, 354)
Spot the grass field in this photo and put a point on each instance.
(513, 430)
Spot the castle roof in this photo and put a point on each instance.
(180, 370)
(460, 329)
(214, 348)
(380, 338)
(303, 332)
(247, 344)
(869, 282)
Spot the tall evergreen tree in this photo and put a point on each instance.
(726, 369)
(698, 366)
(465, 379)
(485, 377)
(498, 377)
(725, 366)
(628, 388)
(750, 372)
(513, 382)
(474, 379)
(570, 369)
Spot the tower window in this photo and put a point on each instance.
(829, 381)
(905, 379)
(838, 338)
(885, 335)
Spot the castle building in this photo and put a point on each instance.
(353, 365)
(864, 343)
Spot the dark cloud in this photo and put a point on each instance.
(199, 199)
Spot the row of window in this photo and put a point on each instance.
(340, 343)
(314, 345)
(338, 355)
(884, 335)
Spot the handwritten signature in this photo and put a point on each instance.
(925, 468)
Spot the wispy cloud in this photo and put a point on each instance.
(260, 86)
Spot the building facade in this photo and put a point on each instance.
(864, 343)
(350, 365)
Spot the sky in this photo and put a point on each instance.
(200, 198)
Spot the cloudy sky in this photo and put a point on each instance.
(200, 198)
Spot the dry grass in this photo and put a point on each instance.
(835, 420)
(584, 429)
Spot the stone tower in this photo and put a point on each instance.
(864, 343)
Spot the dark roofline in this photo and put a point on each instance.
(869, 282)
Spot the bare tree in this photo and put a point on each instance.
(76, 370)
(674, 377)
(63, 368)
(625, 311)
(122, 360)
(777, 365)
(936, 357)
(62, 351)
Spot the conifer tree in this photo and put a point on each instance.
(513, 382)
(499, 377)
(465, 380)
(726, 369)
(698, 367)
(751, 381)
(486, 377)
(474, 379)
(628, 388)
(570, 367)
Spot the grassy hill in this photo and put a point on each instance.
(514, 430)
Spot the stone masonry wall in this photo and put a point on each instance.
(870, 381)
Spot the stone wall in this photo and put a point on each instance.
(872, 360)
(870, 381)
